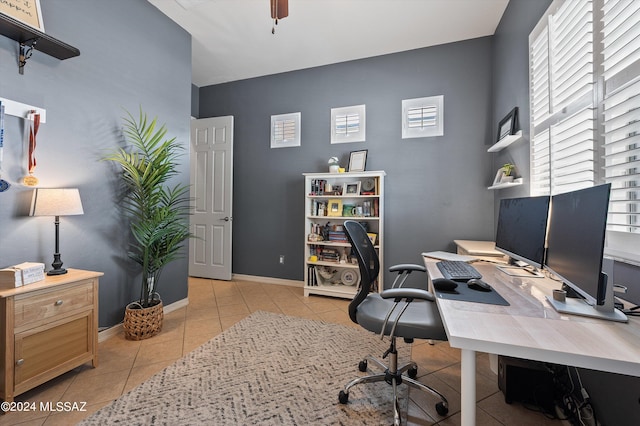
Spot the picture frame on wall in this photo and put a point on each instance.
(358, 160)
(28, 13)
(507, 125)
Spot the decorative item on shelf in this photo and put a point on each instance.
(334, 166)
(352, 188)
(56, 202)
(158, 214)
(350, 277)
(504, 174)
(334, 207)
(368, 186)
(358, 160)
(507, 170)
(348, 210)
(373, 237)
(508, 124)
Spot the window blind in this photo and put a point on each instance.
(284, 130)
(621, 112)
(584, 58)
(347, 124)
(422, 117)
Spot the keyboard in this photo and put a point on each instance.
(457, 270)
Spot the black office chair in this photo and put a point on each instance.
(409, 313)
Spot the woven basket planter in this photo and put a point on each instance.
(142, 323)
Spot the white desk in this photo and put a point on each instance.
(531, 329)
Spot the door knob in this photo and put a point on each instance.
(226, 218)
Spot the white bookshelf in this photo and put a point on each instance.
(332, 272)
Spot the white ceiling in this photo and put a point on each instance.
(232, 39)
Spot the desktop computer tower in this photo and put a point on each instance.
(528, 382)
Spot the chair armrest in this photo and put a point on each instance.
(407, 293)
(407, 267)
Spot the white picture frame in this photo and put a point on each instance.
(423, 117)
(29, 13)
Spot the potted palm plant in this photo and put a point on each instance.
(158, 215)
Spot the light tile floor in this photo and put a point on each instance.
(215, 306)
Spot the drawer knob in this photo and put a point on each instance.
(59, 302)
(20, 361)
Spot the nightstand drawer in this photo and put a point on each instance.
(48, 304)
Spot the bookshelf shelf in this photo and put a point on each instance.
(329, 270)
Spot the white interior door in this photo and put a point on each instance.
(212, 194)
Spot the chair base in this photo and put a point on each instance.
(394, 376)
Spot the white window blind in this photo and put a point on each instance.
(540, 91)
(285, 130)
(572, 152)
(621, 57)
(562, 102)
(347, 124)
(422, 117)
(584, 58)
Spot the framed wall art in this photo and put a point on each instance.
(27, 12)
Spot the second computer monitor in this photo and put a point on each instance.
(522, 227)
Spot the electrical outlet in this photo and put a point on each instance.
(282, 259)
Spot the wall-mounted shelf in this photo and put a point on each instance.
(30, 38)
(503, 185)
(505, 142)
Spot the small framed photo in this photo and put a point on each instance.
(358, 161)
(351, 188)
(373, 237)
(27, 12)
(507, 125)
(334, 207)
(498, 178)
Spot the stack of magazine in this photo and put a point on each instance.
(22, 274)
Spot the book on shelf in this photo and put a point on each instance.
(21, 274)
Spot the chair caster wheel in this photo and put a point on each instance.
(343, 397)
(412, 372)
(442, 409)
(362, 366)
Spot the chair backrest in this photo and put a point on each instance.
(367, 261)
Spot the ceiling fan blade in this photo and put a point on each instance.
(279, 9)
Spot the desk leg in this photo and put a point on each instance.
(468, 392)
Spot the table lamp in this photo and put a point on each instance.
(56, 202)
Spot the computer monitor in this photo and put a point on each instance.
(575, 248)
(521, 233)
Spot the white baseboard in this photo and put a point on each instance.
(116, 329)
(268, 280)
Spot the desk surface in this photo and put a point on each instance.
(530, 328)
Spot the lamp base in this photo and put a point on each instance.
(57, 265)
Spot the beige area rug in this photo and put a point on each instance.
(267, 369)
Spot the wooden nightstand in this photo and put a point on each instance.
(49, 327)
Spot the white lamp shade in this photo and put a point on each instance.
(56, 202)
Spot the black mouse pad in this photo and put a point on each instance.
(464, 293)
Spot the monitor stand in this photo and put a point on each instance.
(582, 308)
(579, 306)
(519, 271)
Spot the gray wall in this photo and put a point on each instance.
(615, 397)
(435, 187)
(131, 56)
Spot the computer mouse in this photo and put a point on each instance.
(478, 284)
(444, 284)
